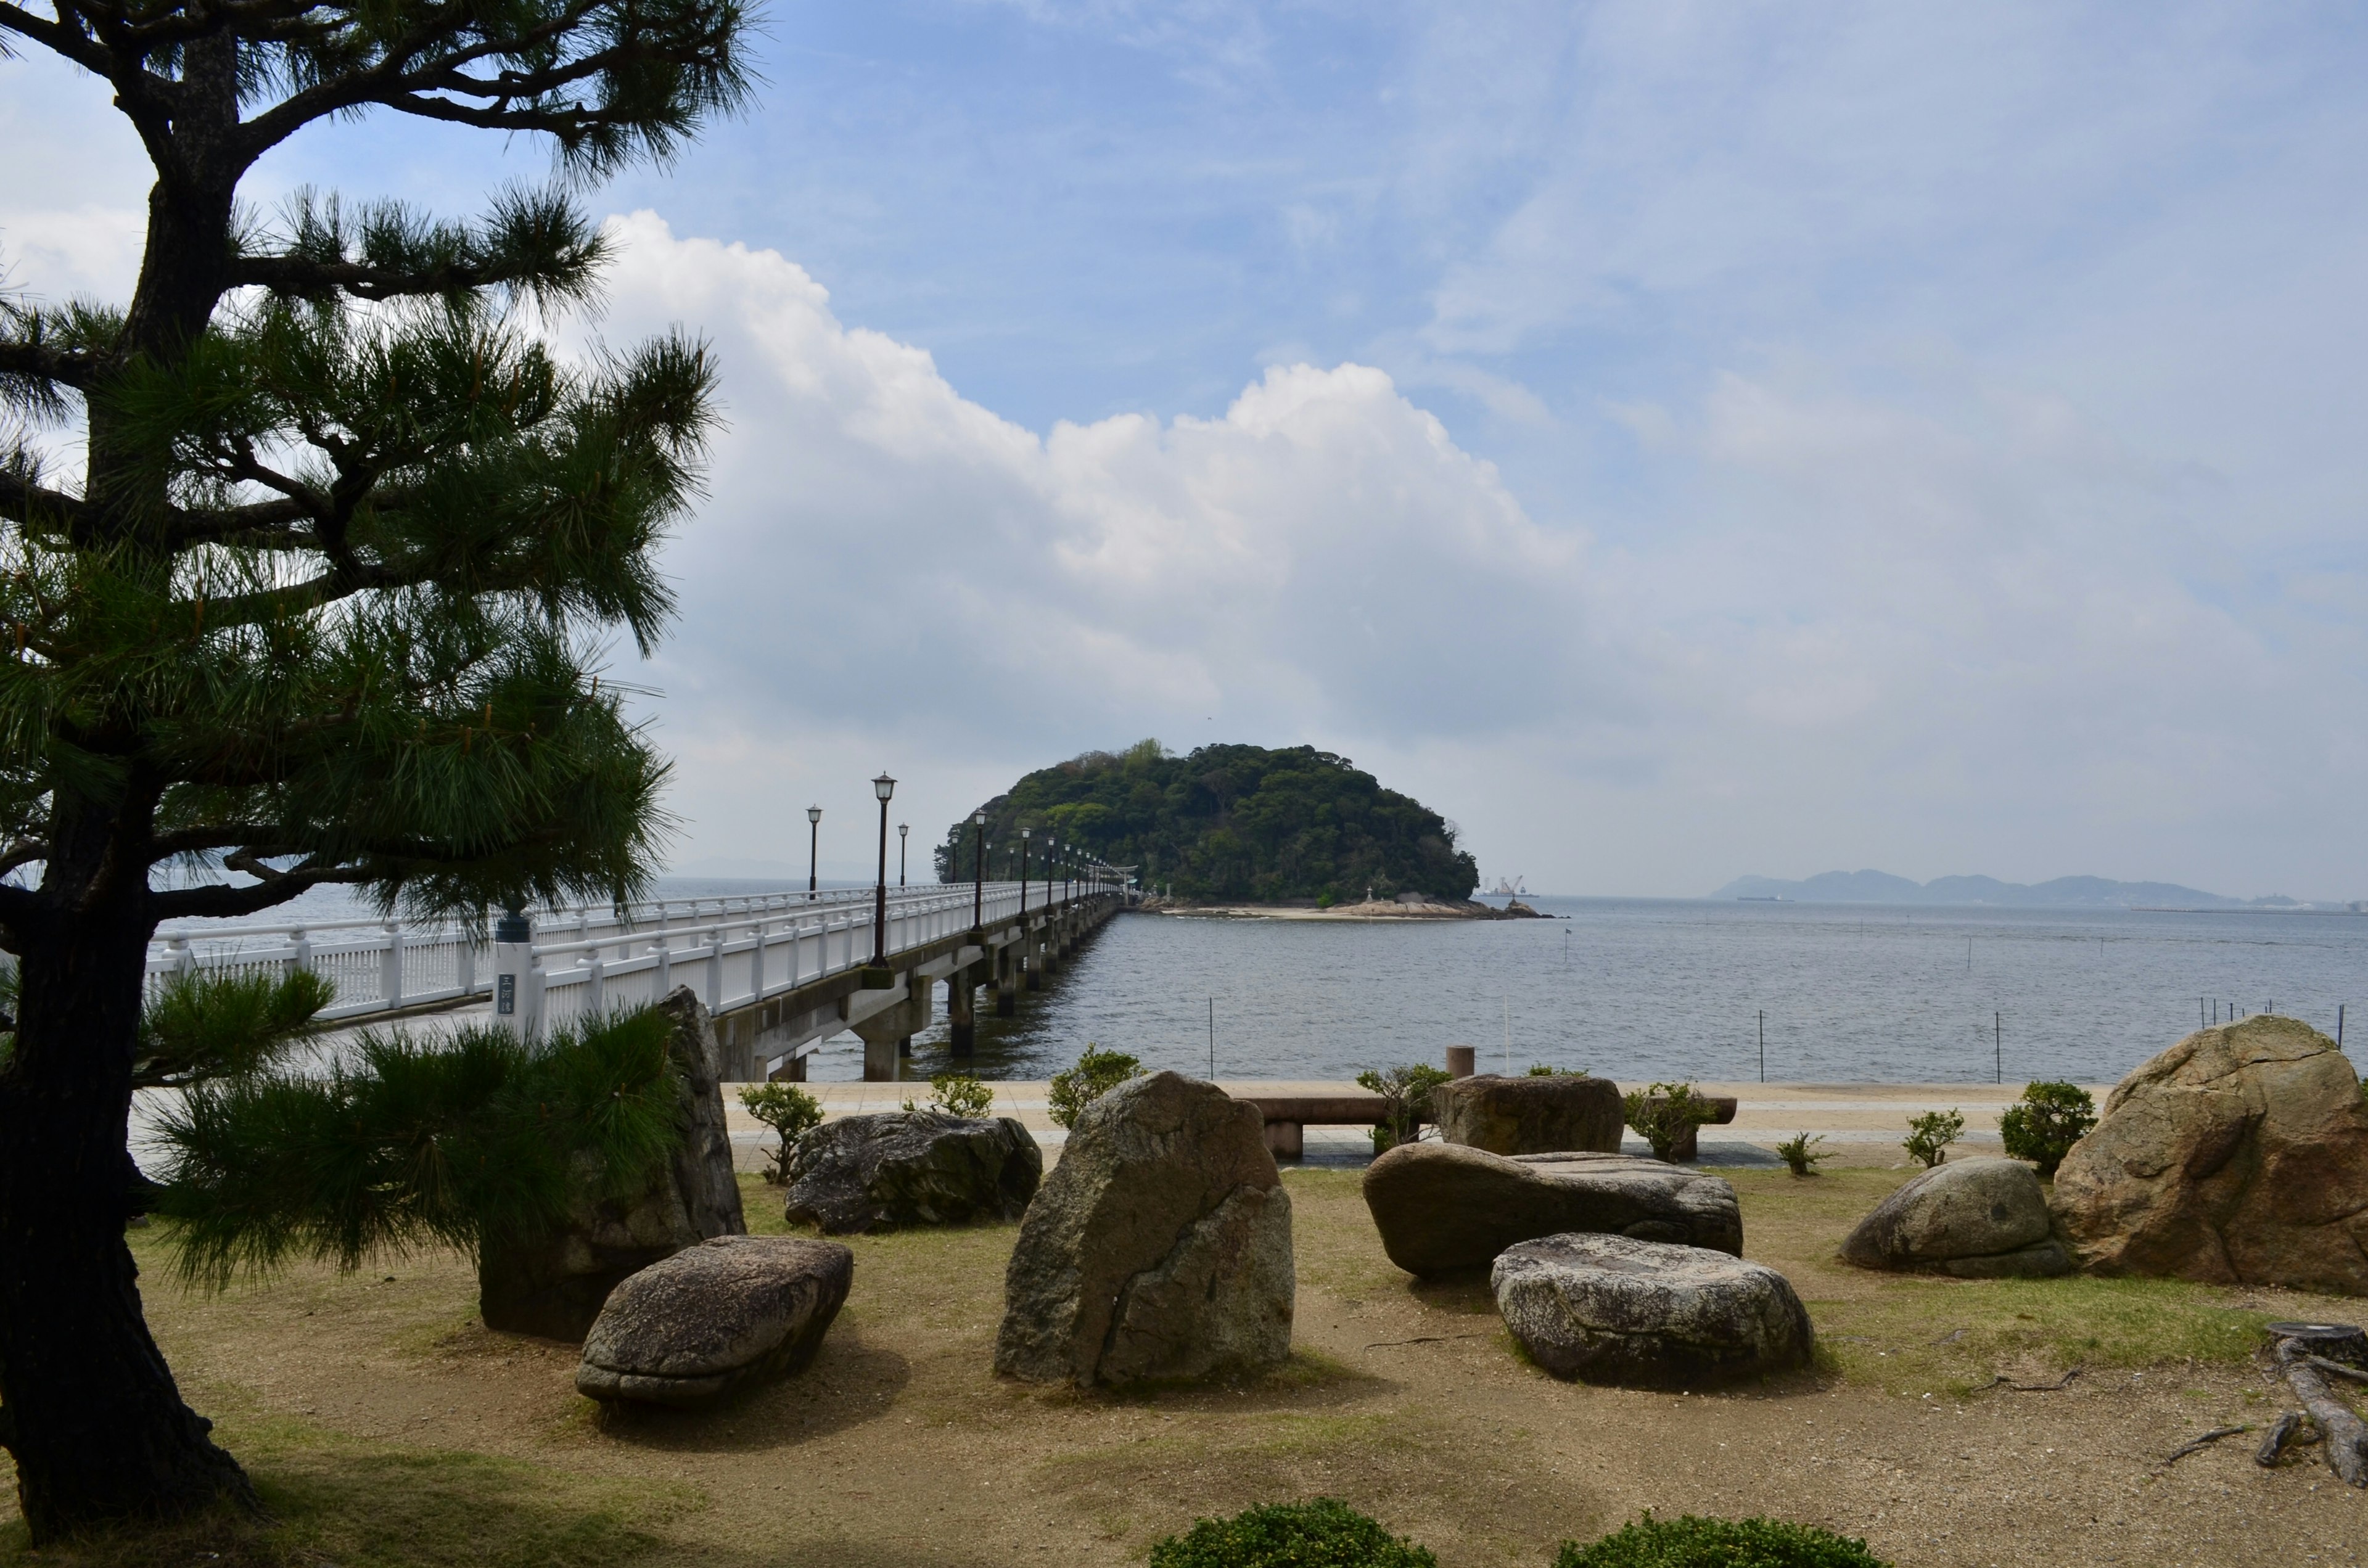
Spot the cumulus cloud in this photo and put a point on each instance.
(883, 554)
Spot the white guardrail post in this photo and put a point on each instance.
(518, 991)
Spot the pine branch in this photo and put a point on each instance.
(59, 39)
(221, 902)
(23, 852)
(254, 836)
(37, 361)
(37, 505)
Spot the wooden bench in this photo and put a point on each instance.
(1288, 1117)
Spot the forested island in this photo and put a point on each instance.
(1232, 823)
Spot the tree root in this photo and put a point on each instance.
(2198, 1444)
(2291, 1430)
(2346, 1435)
(2059, 1386)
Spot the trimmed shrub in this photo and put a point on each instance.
(1689, 1542)
(958, 1094)
(1930, 1135)
(1326, 1533)
(1098, 1072)
(790, 1111)
(1405, 1101)
(2051, 1118)
(1800, 1153)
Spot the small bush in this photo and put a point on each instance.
(1691, 1542)
(1930, 1135)
(1323, 1534)
(958, 1094)
(2051, 1118)
(1800, 1154)
(1098, 1072)
(790, 1111)
(1548, 1070)
(1663, 1114)
(1405, 1101)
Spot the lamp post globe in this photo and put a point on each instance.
(882, 787)
(813, 837)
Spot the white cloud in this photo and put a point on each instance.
(884, 557)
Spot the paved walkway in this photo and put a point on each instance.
(1861, 1121)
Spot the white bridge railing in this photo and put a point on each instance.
(734, 952)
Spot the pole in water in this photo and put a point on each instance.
(1997, 1047)
(2338, 1026)
(1763, 1045)
(1213, 1040)
(1508, 1036)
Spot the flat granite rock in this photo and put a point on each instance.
(2238, 1156)
(900, 1169)
(1442, 1207)
(1159, 1248)
(1603, 1309)
(1559, 1114)
(729, 1312)
(1980, 1219)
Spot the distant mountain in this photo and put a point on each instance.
(2064, 892)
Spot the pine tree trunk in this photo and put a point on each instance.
(87, 1405)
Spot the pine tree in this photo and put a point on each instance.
(326, 602)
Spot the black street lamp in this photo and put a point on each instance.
(1023, 873)
(901, 829)
(813, 837)
(882, 787)
(978, 872)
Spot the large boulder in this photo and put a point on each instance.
(1648, 1314)
(731, 1310)
(1976, 1219)
(1542, 1115)
(553, 1285)
(2239, 1155)
(1158, 1249)
(1441, 1207)
(912, 1167)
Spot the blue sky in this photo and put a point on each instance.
(1675, 440)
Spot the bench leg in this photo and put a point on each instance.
(1286, 1140)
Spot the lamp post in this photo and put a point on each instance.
(1023, 873)
(813, 837)
(978, 872)
(882, 787)
(901, 829)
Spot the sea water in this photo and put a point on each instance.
(1640, 989)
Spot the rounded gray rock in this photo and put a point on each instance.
(1159, 1247)
(1562, 1113)
(1982, 1219)
(1441, 1207)
(901, 1168)
(729, 1312)
(1634, 1313)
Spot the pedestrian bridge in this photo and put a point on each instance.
(781, 972)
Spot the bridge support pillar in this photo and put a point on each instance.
(887, 1035)
(1006, 980)
(961, 1013)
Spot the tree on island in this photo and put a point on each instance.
(1227, 822)
(326, 602)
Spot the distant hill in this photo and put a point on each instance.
(1229, 822)
(2064, 892)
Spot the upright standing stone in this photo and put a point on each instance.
(2238, 1156)
(554, 1286)
(1159, 1247)
(1568, 1112)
